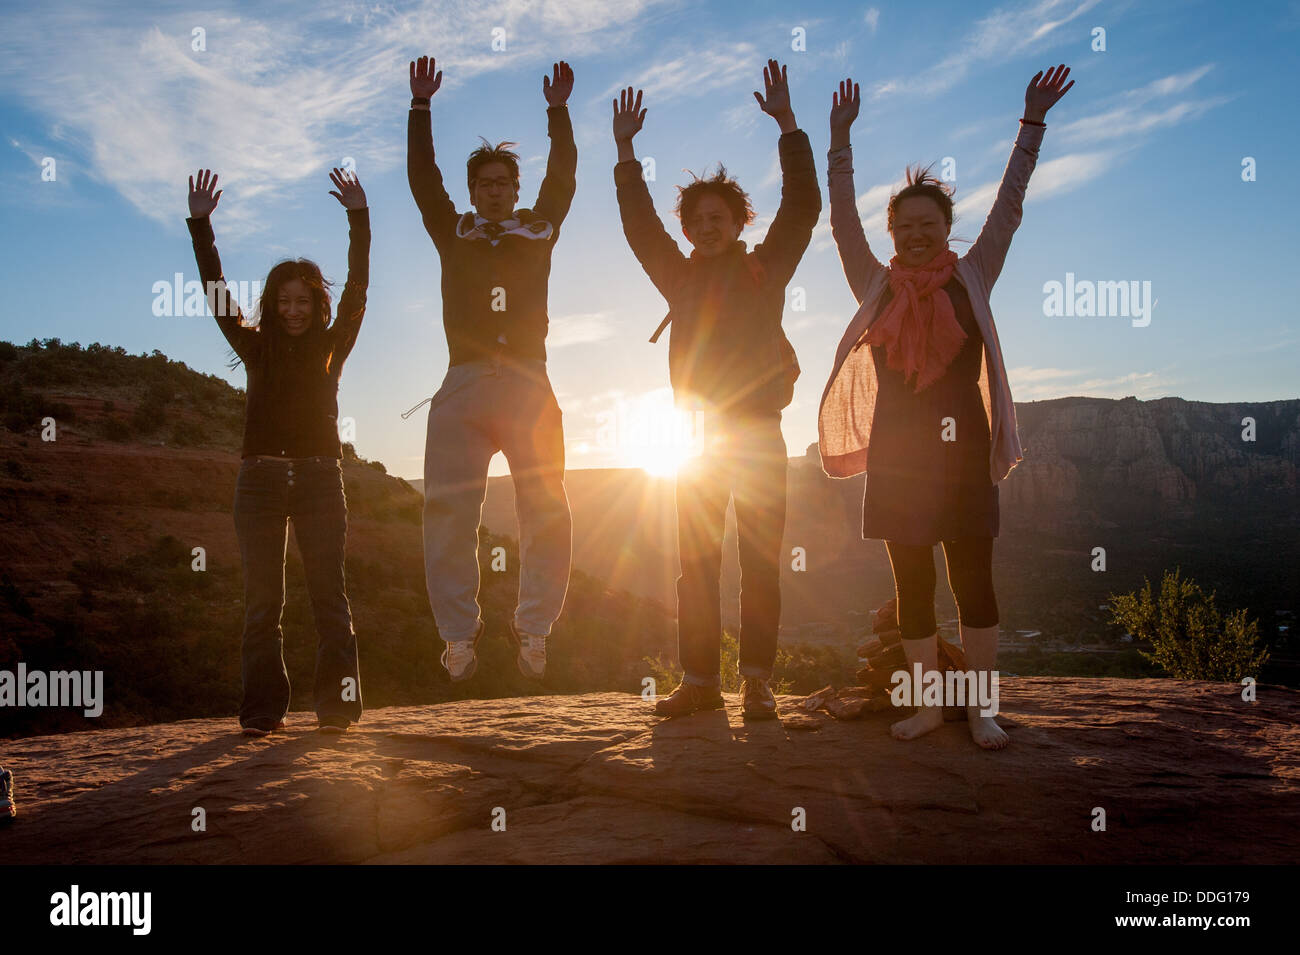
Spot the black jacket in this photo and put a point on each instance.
(291, 408)
(474, 269)
(726, 342)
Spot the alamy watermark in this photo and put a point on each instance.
(75, 907)
(83, 688)
(946, 688)
(1085, 298)
(179, 298)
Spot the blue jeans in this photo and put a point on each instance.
(309, 491)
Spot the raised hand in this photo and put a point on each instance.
(202, 199)
(628, 115)
(1044, 91)
(350, 193)
(557, 87)
(423, 80)
(844, 110)
(777, 102)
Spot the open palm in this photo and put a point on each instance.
(1043, 92)
(777, 89)
(349, 193)
(628, 114)
(204, 195)
(557, 87)
(424, 82)
(845, 104)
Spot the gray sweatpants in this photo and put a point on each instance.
(483, 407)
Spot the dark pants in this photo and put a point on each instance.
(268, 494)
(744, 459)
(970, 574)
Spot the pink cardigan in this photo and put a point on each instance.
(849, 401)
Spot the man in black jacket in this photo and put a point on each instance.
(496, 264)
(728, 359)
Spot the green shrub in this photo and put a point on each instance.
(1191, 639)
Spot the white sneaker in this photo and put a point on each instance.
(460, 659)
(532, 653)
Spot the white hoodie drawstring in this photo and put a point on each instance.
(406, 414)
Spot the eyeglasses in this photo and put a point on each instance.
(494, 183)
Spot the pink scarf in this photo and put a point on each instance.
(918, 328)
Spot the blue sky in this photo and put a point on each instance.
(1139, 179)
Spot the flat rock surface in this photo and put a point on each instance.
(1186, 772)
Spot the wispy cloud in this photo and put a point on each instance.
(27, 185)
(1038, 384)
(756, 231)
(1053, 177)
(1132, 114)
(872, 210)
(742, 118)
(1068, 172)
(999, 36)
(693, 72)
(274, 99)
(578, 330)
(872, 19)
(1127, 122)
(1026, 374)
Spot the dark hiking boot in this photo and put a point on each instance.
(689, 698)
(258, 728)
(333, 725)
(759, 703)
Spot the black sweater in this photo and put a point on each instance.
(725, 344)
(474, 269)
(291, 409)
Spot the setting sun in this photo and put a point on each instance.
(649, 432)
(664, 462)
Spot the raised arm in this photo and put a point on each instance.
(801, 199)
(989, 251)
(856, 258)
(436, 207)
(204, 196)
(560, 182)
(651, 244)
(352, 303)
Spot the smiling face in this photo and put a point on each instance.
(295, 306)
(920, 230)
(710, 227)
(494, 194)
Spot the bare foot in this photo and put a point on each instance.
(984, 731)
(927, 718)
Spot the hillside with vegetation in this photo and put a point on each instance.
(101, 523)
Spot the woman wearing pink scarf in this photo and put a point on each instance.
(919, 398)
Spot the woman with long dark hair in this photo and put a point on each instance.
(919, 397)
(292, 467)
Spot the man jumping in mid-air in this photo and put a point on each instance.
(496, 396)
(732, 365)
